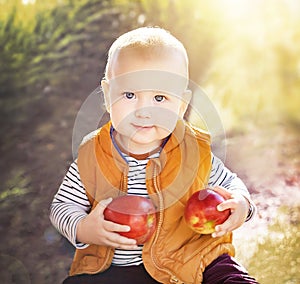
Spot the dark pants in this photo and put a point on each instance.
(222, 270)
(115, 275)
(226, 270)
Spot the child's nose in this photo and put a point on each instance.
(143, 112)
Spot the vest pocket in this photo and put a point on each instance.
(90, 263)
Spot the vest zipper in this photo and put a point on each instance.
(173, 278)
(108, 255)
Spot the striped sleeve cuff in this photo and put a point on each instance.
(251, 212)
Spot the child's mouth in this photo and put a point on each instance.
(142, 127)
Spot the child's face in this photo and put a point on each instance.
(143, 115)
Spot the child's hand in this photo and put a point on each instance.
(93, 229)
(239, 207)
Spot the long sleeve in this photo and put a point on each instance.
(70, 204)
(222, 176)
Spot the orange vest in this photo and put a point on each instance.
(175, 253)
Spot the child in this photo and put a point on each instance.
(149, 150)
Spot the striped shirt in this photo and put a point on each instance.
(70, 204)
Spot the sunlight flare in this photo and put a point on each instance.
(28, 2)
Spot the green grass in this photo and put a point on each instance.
(277, 259)
(16, 186)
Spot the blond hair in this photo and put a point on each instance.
(145, 37)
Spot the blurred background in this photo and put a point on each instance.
(244, 54)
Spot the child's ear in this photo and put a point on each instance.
(105, 90)
(186, 98)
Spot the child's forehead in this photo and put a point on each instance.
(137, 58)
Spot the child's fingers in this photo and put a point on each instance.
(121, 246)
(227, 204)
(223, 192)
(218, 232)
(233, 222)
(115, 240)
(118, 241)
(238, 206)
(115, 227)
(224, 228)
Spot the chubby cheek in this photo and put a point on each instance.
(119, 113)
(166, 119)
(122, 121)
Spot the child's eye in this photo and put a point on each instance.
(129, 95)
(159, 98)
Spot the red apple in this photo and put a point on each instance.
(201, 212)
(135, 211)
